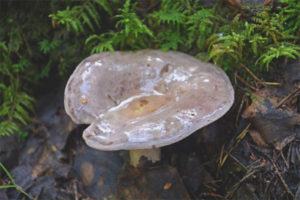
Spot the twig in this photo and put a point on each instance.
(253, 75)
(271, 83)
(243, 133)
(75, 190)
(268, 184)
(239, 111)
(236, 160)
(289, 153)
(209, 187)
(282, 180)
(245, 82)
(284, 160)
(26, 41)
(277, 172)
(292, 95)
(235, 186)
(222, 159)
(211, 194)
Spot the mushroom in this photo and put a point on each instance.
(145, 99)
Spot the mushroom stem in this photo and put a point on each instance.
(151, 154)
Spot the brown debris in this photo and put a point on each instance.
(255, 135)
(273, 124)
(87, 173)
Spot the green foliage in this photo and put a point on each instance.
(275, 51)
(291, 15)
(257, 41)
(28, 52)
(200, 26)
(46, 46)
(81, 16)
(168, 24)
(132, 32)
(13, 183)
(230, 45)
(34, 49)
(14, 109)
(131, 25)
(171, 12)
(170, 40)
(174, 25)
(15, 105)
(102, 42)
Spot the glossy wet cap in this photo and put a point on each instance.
(145, 99)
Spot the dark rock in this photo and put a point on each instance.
(98, 170)
(194, 174)
(275, 125)
(53, 117)
(246, 192)
(151, 183)
(9, 150)
(292, 76)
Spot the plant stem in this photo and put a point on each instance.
(14, 185)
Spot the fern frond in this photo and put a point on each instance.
(21, 65)
(291, 16)
(170, 40)
(170, 13)
(131, 24)
(3, 46)
(14, 109)
(46, 46)
(79, 16)
(132, 32)
(101, 43)
(227, 46)
(200, 26)
(257, 41)
(169, 17)
(105, 5)
(8, 128)
(93, 13)
(275, 51)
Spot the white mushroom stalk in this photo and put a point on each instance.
(145, 99)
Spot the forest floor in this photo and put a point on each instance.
(253, 152)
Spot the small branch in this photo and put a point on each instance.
(277, 172)
(282, 180)
(238, 162)
(245, 82)
(283, 158)
(212, 194)
(253, 75)
(239, 111)
(272, 83)
(288, 98)
(243, 133)
(236, 186)
(75, 190)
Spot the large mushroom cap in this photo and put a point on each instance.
(145, 99)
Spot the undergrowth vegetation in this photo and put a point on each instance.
(41, 39)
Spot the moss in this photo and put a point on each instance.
(40, 39)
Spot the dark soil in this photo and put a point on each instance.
(253, 152)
